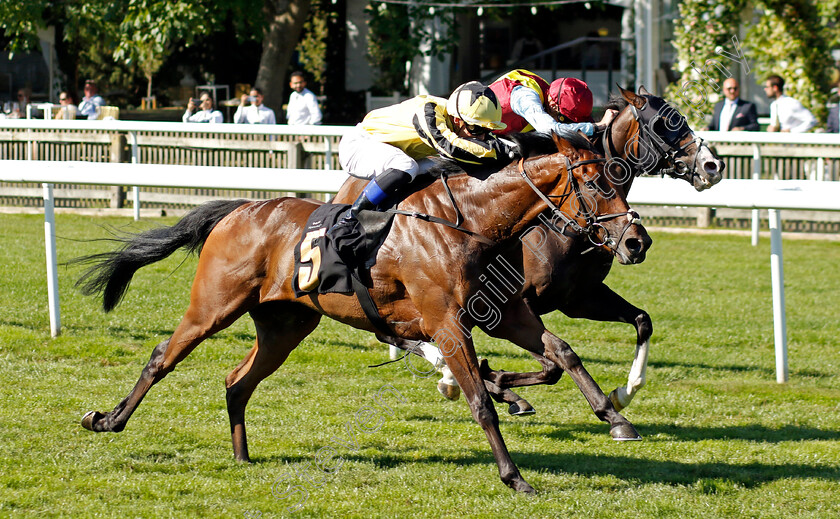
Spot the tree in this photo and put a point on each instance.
(123, 39)
(400, 33)
(788, 38)
(151, 28)
(285, 20)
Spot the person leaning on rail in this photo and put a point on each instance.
(530, 103)
(387, 144)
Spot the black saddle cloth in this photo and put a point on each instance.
(327, 256)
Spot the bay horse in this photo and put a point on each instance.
(647, 136)
(426, 282)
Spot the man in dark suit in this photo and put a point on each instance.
(733, 113)
(834, 119)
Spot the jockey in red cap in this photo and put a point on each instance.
(530, 103)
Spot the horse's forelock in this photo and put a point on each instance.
(616, 102)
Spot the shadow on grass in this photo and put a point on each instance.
(672, 472)
(626, 468)
(717, 368)
(676, 433)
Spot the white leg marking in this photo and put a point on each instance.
(636, 378)
(394, 352)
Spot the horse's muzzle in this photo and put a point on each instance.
(634, 245)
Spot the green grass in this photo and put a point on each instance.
(722, 439)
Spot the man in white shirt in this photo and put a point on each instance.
(256, 112)
(303, 105)
(206, 114)
(786, 113)
(91, 102)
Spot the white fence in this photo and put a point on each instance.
(746, 194)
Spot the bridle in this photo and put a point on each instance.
(593, 227)
(666, 147)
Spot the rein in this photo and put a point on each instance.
(593, 222)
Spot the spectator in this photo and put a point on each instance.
(303, 105)
(68, 110)
(733, 113)
(92, 102)
(833, 124)
(786, 113)
(206, 114)
(18, 108)
(834, 119)
(256, 113)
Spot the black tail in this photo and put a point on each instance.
(112, 271)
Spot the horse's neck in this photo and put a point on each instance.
(622, 143)
(503, 205)
(623, 131)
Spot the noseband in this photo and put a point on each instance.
(593, 225)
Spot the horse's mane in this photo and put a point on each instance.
(532, 144)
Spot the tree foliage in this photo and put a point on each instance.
(789, 38)
(121, 41)
(398, 34)
(151, 28)
(312, 48)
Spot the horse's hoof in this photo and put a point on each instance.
(520, 485)
(90, 419)
(521, 408)
(624, 432)
(614, 400)
(450, 392)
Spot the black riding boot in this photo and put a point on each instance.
(378, 190)
(346, 235)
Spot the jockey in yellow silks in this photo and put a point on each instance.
(387, 144)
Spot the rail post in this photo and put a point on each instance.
(778, 281)
(756, 174)
(52, 263)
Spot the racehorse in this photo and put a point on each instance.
(426, 282)
(647, 136)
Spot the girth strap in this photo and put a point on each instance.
(442, 221)
(368, 304)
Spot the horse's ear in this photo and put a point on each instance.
(643, 91)
(632, 98)
(563, 146)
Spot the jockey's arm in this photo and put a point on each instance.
(526, 103)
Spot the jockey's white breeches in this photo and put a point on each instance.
(363, 156)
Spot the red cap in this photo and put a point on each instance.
(572, 98)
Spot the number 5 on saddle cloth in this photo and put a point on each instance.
(318, 264)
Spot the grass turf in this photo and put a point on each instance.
(722, 439)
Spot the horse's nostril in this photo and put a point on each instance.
(633, 245)
(710, 167)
